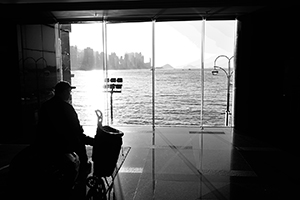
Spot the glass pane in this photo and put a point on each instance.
(129, 50)
(86, 53)
(177, 73)
(219, 41)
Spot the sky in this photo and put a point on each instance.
(176, 43)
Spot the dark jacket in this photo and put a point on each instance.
(59, 130)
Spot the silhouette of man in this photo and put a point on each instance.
(59, 132)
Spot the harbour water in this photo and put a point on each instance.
(177, 97)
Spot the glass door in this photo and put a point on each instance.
(129, 59)
(178, 73)
(219, 72)
(87, 67)
(194, 69)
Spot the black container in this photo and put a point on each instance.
(106, 150)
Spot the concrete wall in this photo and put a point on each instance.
(37, 61)
(38, 70)
(268, 78)
(31, 66)
(10, 84)
(65, 45)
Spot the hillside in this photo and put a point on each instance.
(166, 66)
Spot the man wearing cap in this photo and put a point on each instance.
(59, 131)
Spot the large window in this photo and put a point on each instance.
(129, 53)
(219, 45)
(166, 72)
(177, 73)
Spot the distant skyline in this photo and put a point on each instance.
(176, 43)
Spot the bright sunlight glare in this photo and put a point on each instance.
(176, 43)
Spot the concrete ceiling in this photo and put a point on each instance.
(74, 11)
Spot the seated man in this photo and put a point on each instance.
(59, 133)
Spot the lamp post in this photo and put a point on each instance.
(115, 86)
(228, 75)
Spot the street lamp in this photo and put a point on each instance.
(115, 86)
(228, 75)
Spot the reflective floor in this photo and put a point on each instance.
(184, 163)
(190, 163)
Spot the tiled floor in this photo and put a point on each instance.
(190, 163)
(183, 163)
(214, 163)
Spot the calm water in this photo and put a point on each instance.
(177, 97)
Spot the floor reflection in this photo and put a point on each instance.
(190, 163)
(182, 163)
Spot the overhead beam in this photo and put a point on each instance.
(123, 5)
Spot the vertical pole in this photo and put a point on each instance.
(103, 47)
(202, 100)
(202, 70)
(228, 94)
(104, 40)
(111, 105)
(153, 173)
(58, 54)
(234, 70)
(153, 76)
(153, 109)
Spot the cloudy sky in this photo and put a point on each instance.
(176, 43)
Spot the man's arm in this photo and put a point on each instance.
(77, 128)
(87, 139)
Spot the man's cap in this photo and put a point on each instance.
(62, 86)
